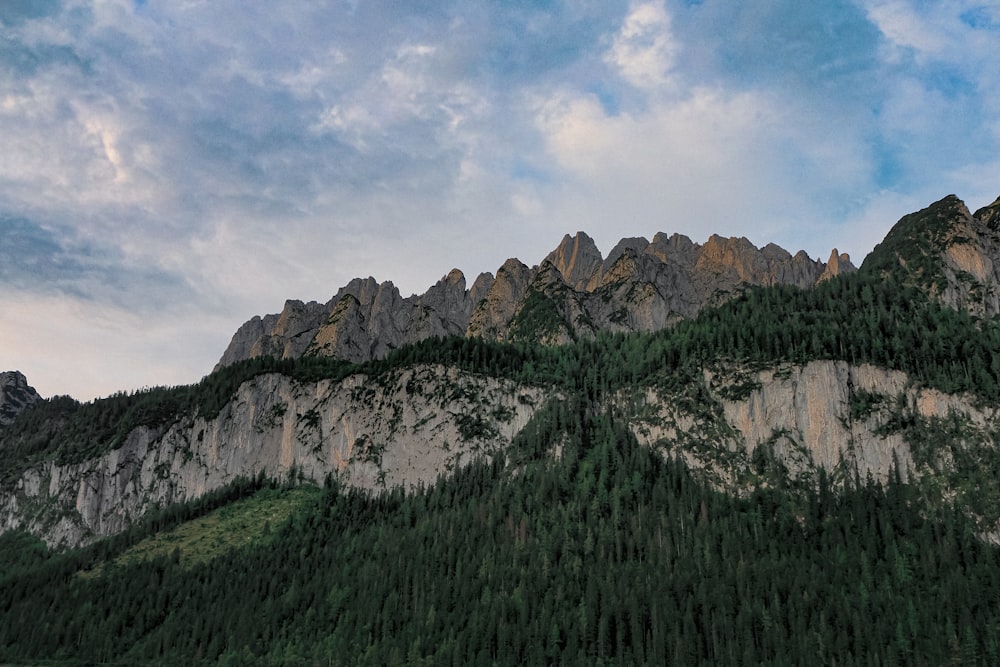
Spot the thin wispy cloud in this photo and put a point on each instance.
(171, 169)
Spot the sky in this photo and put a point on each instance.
(171, 168)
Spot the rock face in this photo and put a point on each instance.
(948, 252)
(573, 292)
(372, 433)
(15, 395)
(852, 421)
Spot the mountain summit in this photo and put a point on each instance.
(574, 292)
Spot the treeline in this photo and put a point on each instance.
(607, 555)
(858, 318)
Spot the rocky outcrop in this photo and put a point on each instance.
(577, 259)
(640, 286)
(947, 252)
(501, 301)
(839, 264)
(372, 433)
(15, 395)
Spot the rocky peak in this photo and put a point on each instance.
(448, 293)
(839, 264)
(15, 395)
(481, 286)
(639, 286)
(577, 259)
(498, 306)
(990, 215)
(674, 249)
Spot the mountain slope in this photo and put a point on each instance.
(614, 495)
(605, 554)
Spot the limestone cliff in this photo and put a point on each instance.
(373, 433)
(855, 422)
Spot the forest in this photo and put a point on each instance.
(608, 555)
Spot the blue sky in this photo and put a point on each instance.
(170, 169)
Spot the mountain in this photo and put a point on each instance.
(574, 292)
(765, 352)
(666, 455)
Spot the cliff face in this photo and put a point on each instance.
(854, 422)
(573, 292)
(370, 433)
(15, 395)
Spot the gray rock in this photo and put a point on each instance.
(15, 396)
(640, 286)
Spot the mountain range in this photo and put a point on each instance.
(640, 286)
(423, 419)
(666, 454)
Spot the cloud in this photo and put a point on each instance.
(16, 12)
(644, 48)
(90, 349)
(904, 28)
(699, 165)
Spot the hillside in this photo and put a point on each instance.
(855, 411)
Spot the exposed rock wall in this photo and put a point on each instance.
(826, 414)
(400, 431)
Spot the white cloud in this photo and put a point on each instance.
(78, 348)
(644, 49)
(904, 27)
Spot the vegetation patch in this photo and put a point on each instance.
(538, 319)
(863, 403)
(237, 525)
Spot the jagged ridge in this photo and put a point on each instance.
(573, 292)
